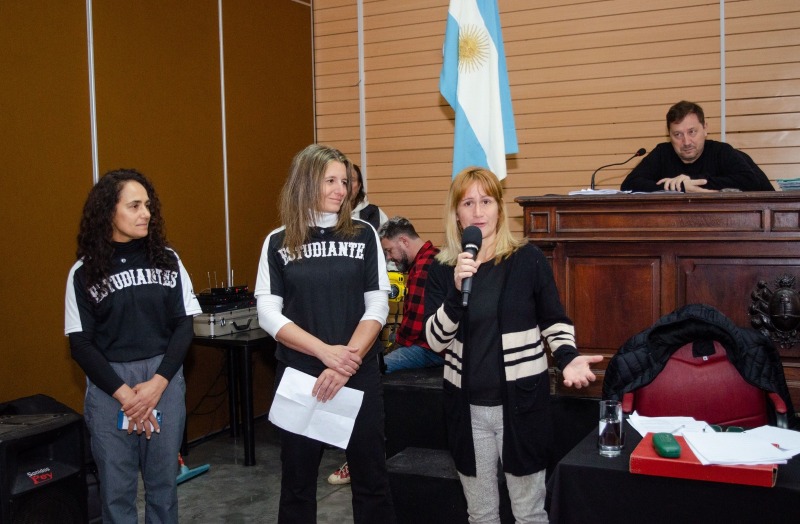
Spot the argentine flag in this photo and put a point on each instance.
(474, 81)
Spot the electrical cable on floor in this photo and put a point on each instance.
(208, 394)
(221, 400)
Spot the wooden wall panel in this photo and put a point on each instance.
(336, 76)
(270, 114)
(46, 174)
(764, 43)
(159, 109)
(608, 276)
(591, 83)
(156, 70)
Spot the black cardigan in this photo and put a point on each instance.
(529, 314)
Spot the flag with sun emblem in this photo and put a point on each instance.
(474, 81)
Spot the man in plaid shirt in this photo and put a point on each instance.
(411, 255)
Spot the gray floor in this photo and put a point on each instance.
(232, 493)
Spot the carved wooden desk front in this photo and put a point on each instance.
(623, 261)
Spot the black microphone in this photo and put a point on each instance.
(641, 152)
(471, 240)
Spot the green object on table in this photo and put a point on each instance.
(666, 445)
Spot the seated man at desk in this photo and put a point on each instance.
(692, 164)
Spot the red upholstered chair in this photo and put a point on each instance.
(708, 388)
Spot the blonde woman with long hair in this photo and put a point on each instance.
(496, 384)
(322, 294)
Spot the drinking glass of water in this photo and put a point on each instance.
(610, 436)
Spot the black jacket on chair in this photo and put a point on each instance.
(644, 355)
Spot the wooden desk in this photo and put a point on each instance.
(240, 380)
(623, 261)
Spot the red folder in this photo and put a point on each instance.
(645, 461)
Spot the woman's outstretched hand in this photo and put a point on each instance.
(577, 374)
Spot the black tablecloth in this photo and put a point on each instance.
(586, 487)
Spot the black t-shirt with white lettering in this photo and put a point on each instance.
(323, 287)
(129, 316)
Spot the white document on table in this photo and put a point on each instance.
(295, 409)
(597, 192)
(674, 425)
(734, 448)
(786, 439)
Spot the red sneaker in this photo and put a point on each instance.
(340, 476)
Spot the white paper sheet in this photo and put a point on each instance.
(597, 192)
(733, 448)
(674, 425)
(786, 439)
(295, 410)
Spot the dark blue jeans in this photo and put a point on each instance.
(411, 357)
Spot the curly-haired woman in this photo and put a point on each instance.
(129, 308)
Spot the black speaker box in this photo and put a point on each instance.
(426, 489)
(42, 469)
(412, 400)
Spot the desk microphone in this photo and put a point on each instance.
(641, 152)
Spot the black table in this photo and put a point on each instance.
(239, 349)
(586, 487)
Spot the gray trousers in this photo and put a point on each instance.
(120, 457)
(527, 493)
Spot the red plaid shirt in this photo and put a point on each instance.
(412, 329)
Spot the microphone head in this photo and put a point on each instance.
(471, 236)
(641, 151)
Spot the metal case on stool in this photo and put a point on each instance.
(225, 322)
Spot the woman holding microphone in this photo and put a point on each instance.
(496, 384)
